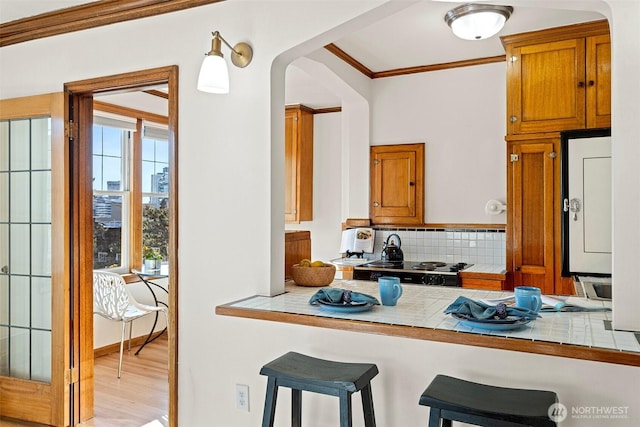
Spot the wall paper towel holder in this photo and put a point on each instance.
(494, 207)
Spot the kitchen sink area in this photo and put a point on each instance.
(595, 288)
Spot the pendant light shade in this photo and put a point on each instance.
(214, 74)
(477, 21)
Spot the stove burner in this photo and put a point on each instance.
(429, 265)
(459, 266)
(434, 263)
(384, 264)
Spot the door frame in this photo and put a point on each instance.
(81, 110)
(564, 184)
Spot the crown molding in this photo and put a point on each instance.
(409, 70)
(89, 15)
(349, 60)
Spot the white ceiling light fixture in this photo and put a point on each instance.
(477, 21)
(214, 74)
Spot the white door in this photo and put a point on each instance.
(589, 204)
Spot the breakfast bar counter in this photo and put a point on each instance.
(419, 315)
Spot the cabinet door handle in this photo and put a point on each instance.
(591, 83)
(411, 184)
(513, 119)
(580, 84)
(376, 204)
(517, 268)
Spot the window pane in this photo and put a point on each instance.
(148, 149)
(41, 302)
(107, 231)
(40, 141)
(97, 172)
(19, 300)
(155, 224)
(112, 142)
(4, 351)
(111, 173)
(41, 249)
(20, 249)
(162, 151)
(19, 353)
(4, 145)
(19, 199)
(19, 145)
(41, 196)
(97, 140)
(148, 169)
(4, 200)
(4, 301)
(41, 359)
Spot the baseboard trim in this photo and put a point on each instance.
(115, 347)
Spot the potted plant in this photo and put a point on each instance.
(152, 258)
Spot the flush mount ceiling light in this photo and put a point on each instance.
(477, 21)
(214, 75)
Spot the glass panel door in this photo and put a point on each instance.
(25, 236)
(33, 309)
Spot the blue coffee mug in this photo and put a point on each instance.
(390, 290)
(528, 297)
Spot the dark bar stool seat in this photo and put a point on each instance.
(458, 400)
(299, 372)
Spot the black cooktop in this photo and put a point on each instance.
(424, 266)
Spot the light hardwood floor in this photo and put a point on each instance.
(139, 398)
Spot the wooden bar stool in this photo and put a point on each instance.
(458, 400)
(299, 372)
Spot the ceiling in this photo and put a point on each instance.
(415, 36)
(419, 36)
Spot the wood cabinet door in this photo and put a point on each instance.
(546, 87)
(532, 185)
(298, 124)
(291, 166)
(599, 81)
(397, 184)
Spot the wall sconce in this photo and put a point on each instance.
(477, 21)
(214, 75)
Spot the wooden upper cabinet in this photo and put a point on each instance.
(559, 79)
(298, 168)
(599, 81)
(397, 184)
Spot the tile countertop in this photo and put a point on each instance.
(486, 268)
(421, 308)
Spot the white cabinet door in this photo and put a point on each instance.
(589, 205)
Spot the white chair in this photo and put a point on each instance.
(112, 300)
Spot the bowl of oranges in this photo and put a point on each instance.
(316, 273)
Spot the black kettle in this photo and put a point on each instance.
(390, 251)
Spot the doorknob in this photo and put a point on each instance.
(574, 206)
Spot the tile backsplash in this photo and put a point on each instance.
(475, 246)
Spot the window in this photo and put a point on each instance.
(155, 190)
(130, 190)
(110, 196)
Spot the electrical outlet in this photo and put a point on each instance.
(242, 397)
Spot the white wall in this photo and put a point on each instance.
(226, 207)
(460, 115)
